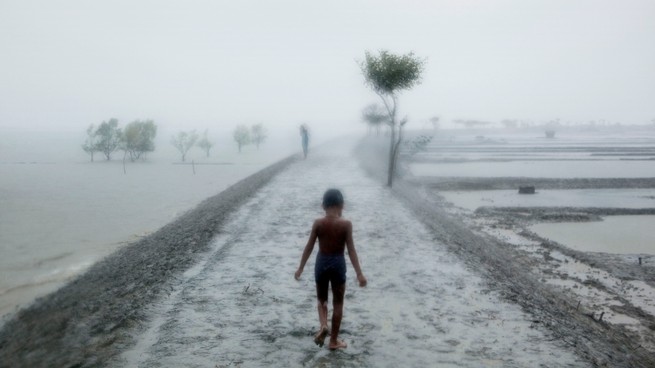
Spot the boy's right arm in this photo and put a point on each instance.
(308, 250)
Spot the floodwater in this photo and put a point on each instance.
(615, 234)
(58, 216)
(613, 152)
(539, 169)
(242, 307)
(615, 198)
(603, 153)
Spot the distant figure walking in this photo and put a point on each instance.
(334, 236)
(304, 134)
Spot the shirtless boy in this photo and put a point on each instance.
(334, 236)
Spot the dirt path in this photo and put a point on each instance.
(241, 306)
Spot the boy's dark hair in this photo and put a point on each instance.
(332, 197)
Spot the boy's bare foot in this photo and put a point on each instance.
(339, 344)
(319, 338)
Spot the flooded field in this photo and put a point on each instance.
(619, 198)
(615, 234)
(585, 156)
(539, 169)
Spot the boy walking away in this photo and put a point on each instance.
(334, 236)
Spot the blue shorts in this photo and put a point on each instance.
(330, 268)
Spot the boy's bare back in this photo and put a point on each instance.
(333, 234)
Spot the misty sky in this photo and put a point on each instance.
(193, 64)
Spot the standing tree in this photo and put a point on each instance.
(184, 141)
(138, 138)
(109, 137)
(388, 74)
(241, 136)
(90, 145)
(258, 134)
(205, 144)
(374, 115)
(435, 122)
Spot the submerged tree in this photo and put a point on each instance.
(258, 134)
(241, 136)
(109, 137)
(183, 141)
(138, 138)
(387, 74)
(375, 116)
(90, 145)
(204, 143)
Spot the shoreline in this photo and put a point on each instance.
(88, 321)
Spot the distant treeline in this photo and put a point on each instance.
(137, 139)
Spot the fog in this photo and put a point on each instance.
(215, 64)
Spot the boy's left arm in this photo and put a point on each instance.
(308, 250)
(352, 253)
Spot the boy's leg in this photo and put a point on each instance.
(322, 300)
(338, 292)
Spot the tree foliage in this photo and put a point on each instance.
(241, 135)
(258, 134)
(183, 141)
(204, 143)
(138, 138)
(109, 137)
(387, 74)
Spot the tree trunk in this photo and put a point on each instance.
(391, 156)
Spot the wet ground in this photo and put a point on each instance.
(583, 239)
(240, 306)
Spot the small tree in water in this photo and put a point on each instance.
(183, 141)
(109, 137)
(205, 144)
(388, 74)
(241, 136)
(258, 134)
(138, 138)
(90, 145)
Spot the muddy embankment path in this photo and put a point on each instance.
(509, 271)
(241, 306)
